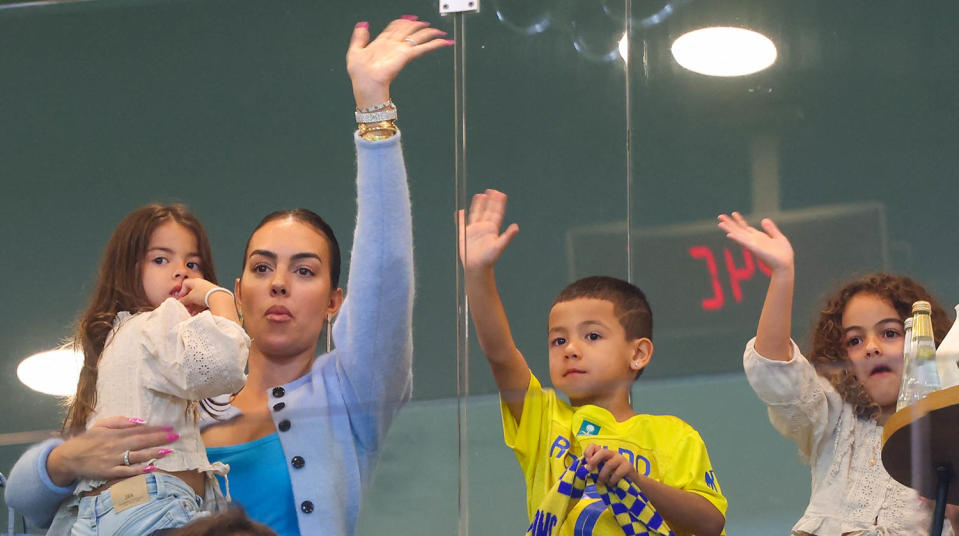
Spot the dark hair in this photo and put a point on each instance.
(629, 303)
(119, 287)
(233, 522)
(312, 219)
(828, 353)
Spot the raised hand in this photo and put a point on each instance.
(769, 244)
(373, 65)
(481, 243)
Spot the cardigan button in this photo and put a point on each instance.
(307, 507)
(284, 425)
(278, 392)
(298, 462)
(278, 406)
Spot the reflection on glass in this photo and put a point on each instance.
(39, 3)
(596, 29)
(596, 33)
(524, 17)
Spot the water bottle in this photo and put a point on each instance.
(922, 376)
(908, 364)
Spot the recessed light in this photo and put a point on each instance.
(54, 372)
(724, 51)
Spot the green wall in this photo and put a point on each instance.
(241, 107)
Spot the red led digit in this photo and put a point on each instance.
(717, 299)
(737, 274)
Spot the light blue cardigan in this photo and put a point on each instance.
(336, 417)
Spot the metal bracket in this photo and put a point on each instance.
(459, 6)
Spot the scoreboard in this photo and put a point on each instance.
(706, 291)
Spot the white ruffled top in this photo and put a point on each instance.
(156, 364)
(851, 491)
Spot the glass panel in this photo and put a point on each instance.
(840, 142)
(546, 124)
(237, 108)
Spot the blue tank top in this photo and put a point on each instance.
(260, 482)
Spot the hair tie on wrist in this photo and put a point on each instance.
(206, 297)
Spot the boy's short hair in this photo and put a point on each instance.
(629, 302)
(232, 522)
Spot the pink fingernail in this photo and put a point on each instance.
(164, 452)
(409, 17)
(450, 42)
(172, 436)
(136, 420)
(442, 32)
(149, 469)
(363, 25)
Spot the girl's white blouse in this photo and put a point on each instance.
(157, 364)
(851, 491)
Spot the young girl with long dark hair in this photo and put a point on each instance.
(158, 337)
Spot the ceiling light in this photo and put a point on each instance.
(54, 372)
(724, 51)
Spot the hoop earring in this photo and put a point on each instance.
(329, 331)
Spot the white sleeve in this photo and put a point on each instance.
(193, 357)
(803, 406)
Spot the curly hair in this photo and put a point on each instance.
(828, 353)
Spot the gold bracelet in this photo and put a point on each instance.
(379, 125)
(380, 130)
(378, 135)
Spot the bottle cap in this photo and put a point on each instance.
(907, 323)
(921, 307)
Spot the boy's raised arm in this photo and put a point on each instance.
(773, 248)
(481, 244)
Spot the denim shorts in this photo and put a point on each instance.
(172, 504)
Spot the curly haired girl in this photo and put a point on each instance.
(834, 404)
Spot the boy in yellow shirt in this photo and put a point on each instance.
(600, 331)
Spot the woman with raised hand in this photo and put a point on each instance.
(302, 437)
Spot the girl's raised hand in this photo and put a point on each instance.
(195, 294)
(373, 65)
(481, 243)
(192, 293)
(769, 244)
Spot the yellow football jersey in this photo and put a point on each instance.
(551, 434)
